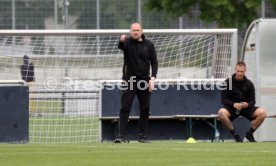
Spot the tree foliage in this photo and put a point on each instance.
(226, 13)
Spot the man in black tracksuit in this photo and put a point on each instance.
(27, 70)
(139, 56)
(239, 99)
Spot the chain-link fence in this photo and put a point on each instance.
(87, 14)
(94, 14)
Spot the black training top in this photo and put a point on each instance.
(27, 70)
(242, 91)
(138, 57)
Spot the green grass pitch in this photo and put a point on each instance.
(159, 153)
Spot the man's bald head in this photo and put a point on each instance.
(136, 31)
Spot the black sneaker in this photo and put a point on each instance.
(238, 138)
(143, 139)
(250, 137)
(120, 140)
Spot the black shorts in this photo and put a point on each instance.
(247, 113)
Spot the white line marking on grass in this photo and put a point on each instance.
(48, 145)
(38, 153)
(191, 149)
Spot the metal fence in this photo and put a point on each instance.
(96, 14)
(87, 14)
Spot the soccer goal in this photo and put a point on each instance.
(69, 66)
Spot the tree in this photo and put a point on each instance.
(226, 13)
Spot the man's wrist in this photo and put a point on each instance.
(241, 104)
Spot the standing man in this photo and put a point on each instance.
(27, 70)
(240, 100)
(139, 57)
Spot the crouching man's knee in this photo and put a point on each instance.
(261, 113)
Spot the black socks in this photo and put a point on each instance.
(251, 130)
(233, 132)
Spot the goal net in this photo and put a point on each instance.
(65, 99)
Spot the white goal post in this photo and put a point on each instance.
(68, 64)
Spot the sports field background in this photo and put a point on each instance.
(136, 154)
(157, 153)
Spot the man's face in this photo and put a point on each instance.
(136, 31)
(240, 72)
